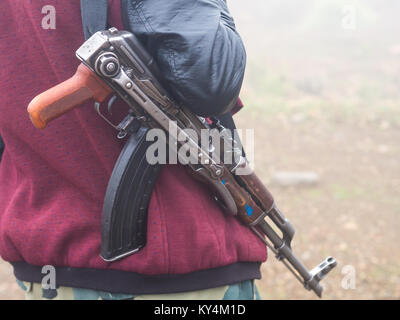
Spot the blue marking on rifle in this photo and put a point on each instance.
(249, 210)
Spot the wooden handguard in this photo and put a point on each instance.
(56, 101)
(248, 210)
(257, 188)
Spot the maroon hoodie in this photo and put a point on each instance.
(52, 182)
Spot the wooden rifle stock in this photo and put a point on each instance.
(58, 100)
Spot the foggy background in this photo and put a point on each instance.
(322, 93)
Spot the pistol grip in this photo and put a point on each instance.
(56, 101)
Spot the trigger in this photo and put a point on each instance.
(110, 103)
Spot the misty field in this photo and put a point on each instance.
(322, 94)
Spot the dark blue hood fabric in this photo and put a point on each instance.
(196, 46)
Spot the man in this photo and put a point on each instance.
(52, 182)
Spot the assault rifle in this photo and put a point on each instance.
(115, 62)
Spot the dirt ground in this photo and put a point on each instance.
(325, 99)
(351, 214)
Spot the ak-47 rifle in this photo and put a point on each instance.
(115, 61)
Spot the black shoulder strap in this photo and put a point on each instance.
(94, 16)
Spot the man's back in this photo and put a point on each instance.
(52, 182)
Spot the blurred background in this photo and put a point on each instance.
(321, 92)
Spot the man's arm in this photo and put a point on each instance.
(196, 46)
